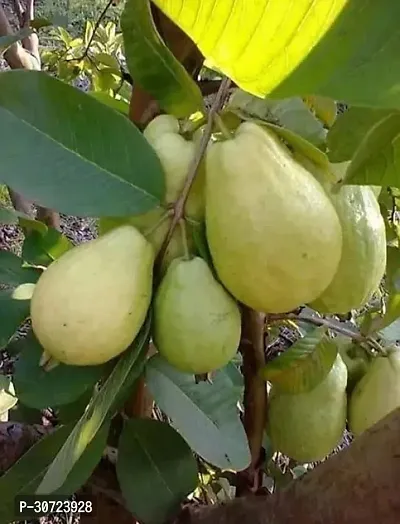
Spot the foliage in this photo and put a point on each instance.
(82, 156)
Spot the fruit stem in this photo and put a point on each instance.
(179, 206)
(354, 335)
(182, 226)
(149, 231)
(222, 127)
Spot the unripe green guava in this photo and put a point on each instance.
(89, 304)
(308, 426)
(274, 235)
(377, 393)
(176, 155)
(197, 323)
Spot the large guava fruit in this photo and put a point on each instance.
(274, 235)
(89, 304)
(363, 261)
(176, 155)
(196, 322)
(377, 393)
(308, 426)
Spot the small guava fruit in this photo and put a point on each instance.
(197, 323)
(363, 261)
(377, 393)
(274, 235)
(356, 361)
(308, 426)
(88, 305)
(176, 155)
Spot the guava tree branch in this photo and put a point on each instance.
(179, 206)
(255, 396)
(331, 324)
(359, 485)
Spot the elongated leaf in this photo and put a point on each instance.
(12, 313)
(304, 365)
(40, 389)
(70, 141)
(152, 64)
(343, 49)
(7, 40)
(204, 414)
(97, 411)
(349, 130)
(24, 476)
(374, 162)
(114, 103)
(170, 469)
(12, 271)
(41, 248)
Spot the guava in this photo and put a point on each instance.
(176, 155)
(197, 324)
(377, 393)
(274, 235)
(308, 426)
(89, 304)
(363, 261)
(357, 363)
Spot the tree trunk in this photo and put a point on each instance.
(359, 485)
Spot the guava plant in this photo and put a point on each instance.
(218, 229)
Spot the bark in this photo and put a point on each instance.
(359, 485)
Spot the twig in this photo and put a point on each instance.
(179, 206)
(331, 325)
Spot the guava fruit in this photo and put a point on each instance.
(308, 426)
(89, 304)
(363, 261)
(274, 235)
(377, 393)
(197, 323)
(176, 155)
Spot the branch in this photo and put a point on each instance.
(255, 396)
(331, 324)
(179, 206)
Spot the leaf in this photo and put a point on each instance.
(291, 113)
(324, 108)
(170, 470)
(108, 60)
(42, 248)
(304, 365)
(8, 40)
(204, 414)
(114, 103)
(24, 476)
(342, 49)
(12, 271)
(152, 64)
(97, 411)
(12, 313)
(375, 161)
(349, 130)
(8, 216)
(73, 411)
(73, 141)
(41, 389)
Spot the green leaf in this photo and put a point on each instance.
(304, 365)
(291, 113)
(42, 248)
(24, 476)
(108, 60)
(114, 103)
(97, 411)
(153, 65)
(13, 312)
(40, 389)
(8, 40)
(73, 141)
(343, 49)
(12, 271)
(375, 161)
(205, 414)
(72, 412)
(21, 413)
(8, 216)
(170, 470)
(349, 130)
